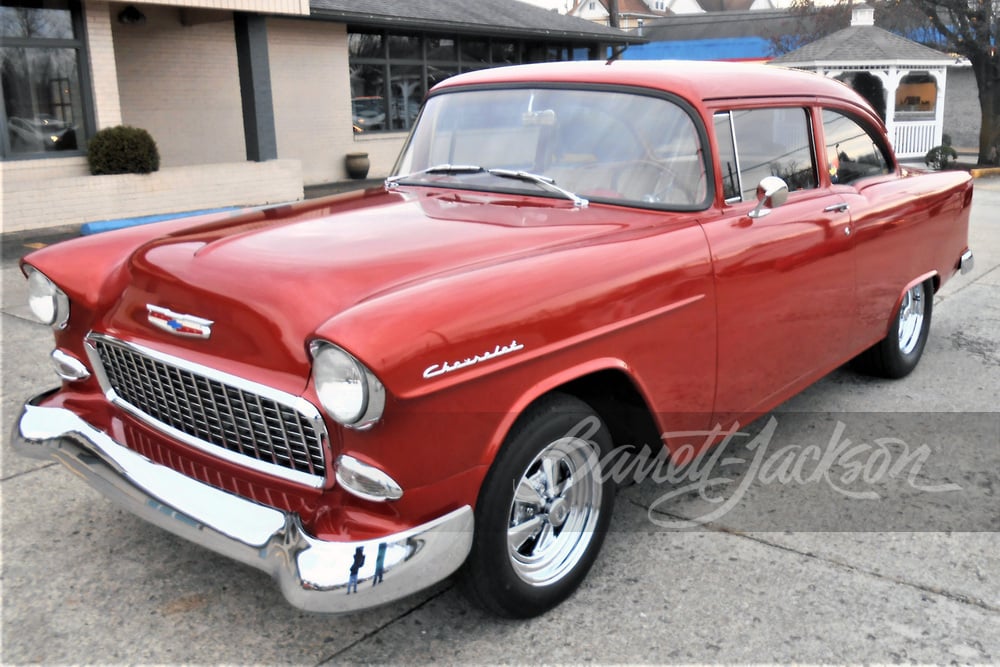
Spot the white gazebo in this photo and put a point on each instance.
(904, 80)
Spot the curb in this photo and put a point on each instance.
(985, 171)
(121, 223)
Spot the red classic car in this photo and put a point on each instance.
(363, 394)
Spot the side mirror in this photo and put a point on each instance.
(772, 192)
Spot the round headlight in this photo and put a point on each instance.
(48, 303)
(347, 390)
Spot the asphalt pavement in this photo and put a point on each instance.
(860, 522)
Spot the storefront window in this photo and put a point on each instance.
(41, 61)
(392, 72)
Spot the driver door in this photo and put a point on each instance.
(785, 281)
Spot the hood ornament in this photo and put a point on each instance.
(178, 323)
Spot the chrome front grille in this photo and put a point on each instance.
(214, 411)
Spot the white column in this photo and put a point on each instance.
(940, 77)
(890, 79)
(103, 69)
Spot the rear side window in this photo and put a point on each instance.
(756, 143)
(852, 151)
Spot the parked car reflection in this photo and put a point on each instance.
(369, 113)
(41, 133)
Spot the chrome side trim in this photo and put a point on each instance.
(314, 575)
(967, 262)
(297, 403)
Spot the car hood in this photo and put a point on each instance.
(269, 278)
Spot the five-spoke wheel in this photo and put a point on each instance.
(543, 510)
(897, 354)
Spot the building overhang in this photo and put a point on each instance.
(589, 34)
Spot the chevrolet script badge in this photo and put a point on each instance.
(178, 324)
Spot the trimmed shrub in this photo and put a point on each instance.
(123, 150)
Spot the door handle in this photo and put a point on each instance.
(842, 207)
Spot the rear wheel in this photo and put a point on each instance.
(542, 512)
(897, 354)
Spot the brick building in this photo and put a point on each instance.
(249, 100)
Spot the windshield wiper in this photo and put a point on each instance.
(541, 181)
(437, 169)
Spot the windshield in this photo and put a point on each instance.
(601, 145)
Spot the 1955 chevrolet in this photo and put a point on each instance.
(364, 394)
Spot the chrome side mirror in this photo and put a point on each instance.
(772, 192)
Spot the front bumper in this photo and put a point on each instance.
(314, 575)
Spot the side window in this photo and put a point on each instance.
(852, 152)
(769, 142)
(774, 142)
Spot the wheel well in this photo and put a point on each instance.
(615, 398)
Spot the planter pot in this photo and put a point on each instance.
(357, 165)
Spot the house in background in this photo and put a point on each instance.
(249, 100)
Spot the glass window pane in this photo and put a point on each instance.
(405, 47)
(475, 52)
(407, 86)
(368, 103)
(774, 142)
(504, 53)
(366, 45)
(41, 92)
(851, 151)
(40, 22)
(442, 48)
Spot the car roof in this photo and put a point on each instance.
(694, 80)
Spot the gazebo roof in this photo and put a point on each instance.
(863, 44)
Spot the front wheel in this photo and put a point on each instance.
(542, 512)
(897, 354)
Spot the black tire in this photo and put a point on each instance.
(897, 354)
(536, 536)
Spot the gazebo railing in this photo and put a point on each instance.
(913, 138)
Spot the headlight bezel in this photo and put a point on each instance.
(362, 411)
(41, 288)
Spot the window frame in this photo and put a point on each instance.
(78, 43)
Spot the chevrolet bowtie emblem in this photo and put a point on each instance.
(177, 323)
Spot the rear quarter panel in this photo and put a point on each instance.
(906, 229)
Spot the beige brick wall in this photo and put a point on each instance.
(41, 193)
(310, 81)
(181, 82)
(103, 71)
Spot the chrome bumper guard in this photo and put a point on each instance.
(967, 261)
(313, 574)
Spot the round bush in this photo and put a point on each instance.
(123, 150)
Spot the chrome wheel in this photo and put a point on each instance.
(543, 509)
(911, 319)
(554, 512)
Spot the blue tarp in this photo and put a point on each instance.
(725, 48)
